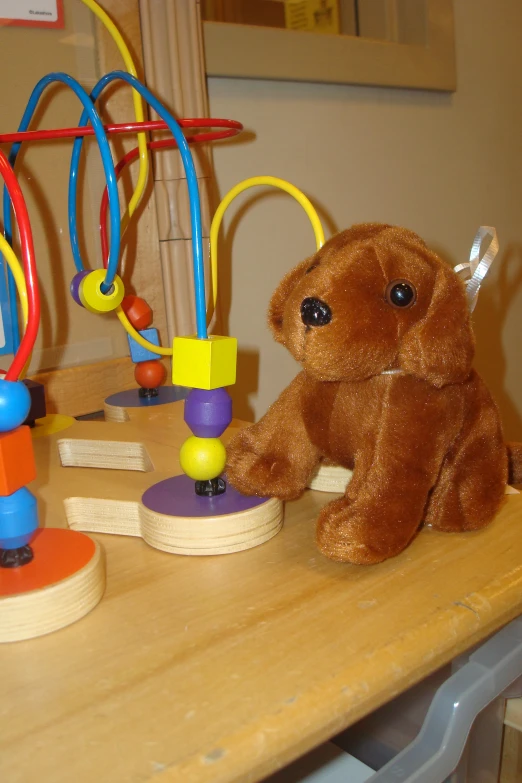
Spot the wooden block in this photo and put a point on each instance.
(334, 479)
(100, 472)
(180, 535)
(38, 408)
(330, 478)
(75, 391)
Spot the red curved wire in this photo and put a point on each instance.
(31, 280)
(133, 155)
(123, 127)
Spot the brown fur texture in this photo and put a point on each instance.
(425, 444)
(515, 463)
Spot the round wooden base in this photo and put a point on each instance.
(330, 478)
(115, 406)
(174, 519)
(63, 582)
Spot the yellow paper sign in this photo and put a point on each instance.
(317, 16)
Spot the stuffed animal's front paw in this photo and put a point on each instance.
(346, 533)
(260, 474)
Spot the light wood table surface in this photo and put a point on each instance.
(199, 669)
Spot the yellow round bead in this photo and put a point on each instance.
(202, 458)
(91, 296)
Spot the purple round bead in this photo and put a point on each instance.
(208, 412)
(75, 285)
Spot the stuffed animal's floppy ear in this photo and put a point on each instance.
(440, 347)
(280, 296)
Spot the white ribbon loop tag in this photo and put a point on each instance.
(475, 270)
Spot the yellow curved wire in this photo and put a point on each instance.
(137, 336)
(214, 231)
(18, 275)
(235, 191)
(138, 108)
(16, 268)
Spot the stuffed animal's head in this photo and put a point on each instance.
(374, 298)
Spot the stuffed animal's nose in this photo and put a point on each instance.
(314, 312)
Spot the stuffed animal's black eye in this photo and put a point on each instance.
(400, 293)
(311, 268)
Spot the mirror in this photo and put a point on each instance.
(320, 16)
(402, 43)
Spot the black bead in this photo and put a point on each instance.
(210, 488)
(147, 394)
(14, 558)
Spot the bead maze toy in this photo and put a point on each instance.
(51, 576)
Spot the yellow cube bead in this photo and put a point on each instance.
(204, 364)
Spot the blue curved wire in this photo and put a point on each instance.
(114, 247)
(192, 182)
(108, 167)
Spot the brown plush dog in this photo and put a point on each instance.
(381, 327)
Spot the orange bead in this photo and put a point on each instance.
(17, 465)
(150, 375)
(137, 311)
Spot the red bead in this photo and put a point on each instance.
(150, 375)
(137, 311)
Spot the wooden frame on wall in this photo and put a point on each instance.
(247, 51)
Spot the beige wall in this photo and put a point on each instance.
(439, 164)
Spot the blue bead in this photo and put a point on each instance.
(140, 354)
(15, 404)
(18, 519)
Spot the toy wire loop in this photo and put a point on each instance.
(192, 182)
(105, 153)
(229, 128)
(235, 191)
(111, 247)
